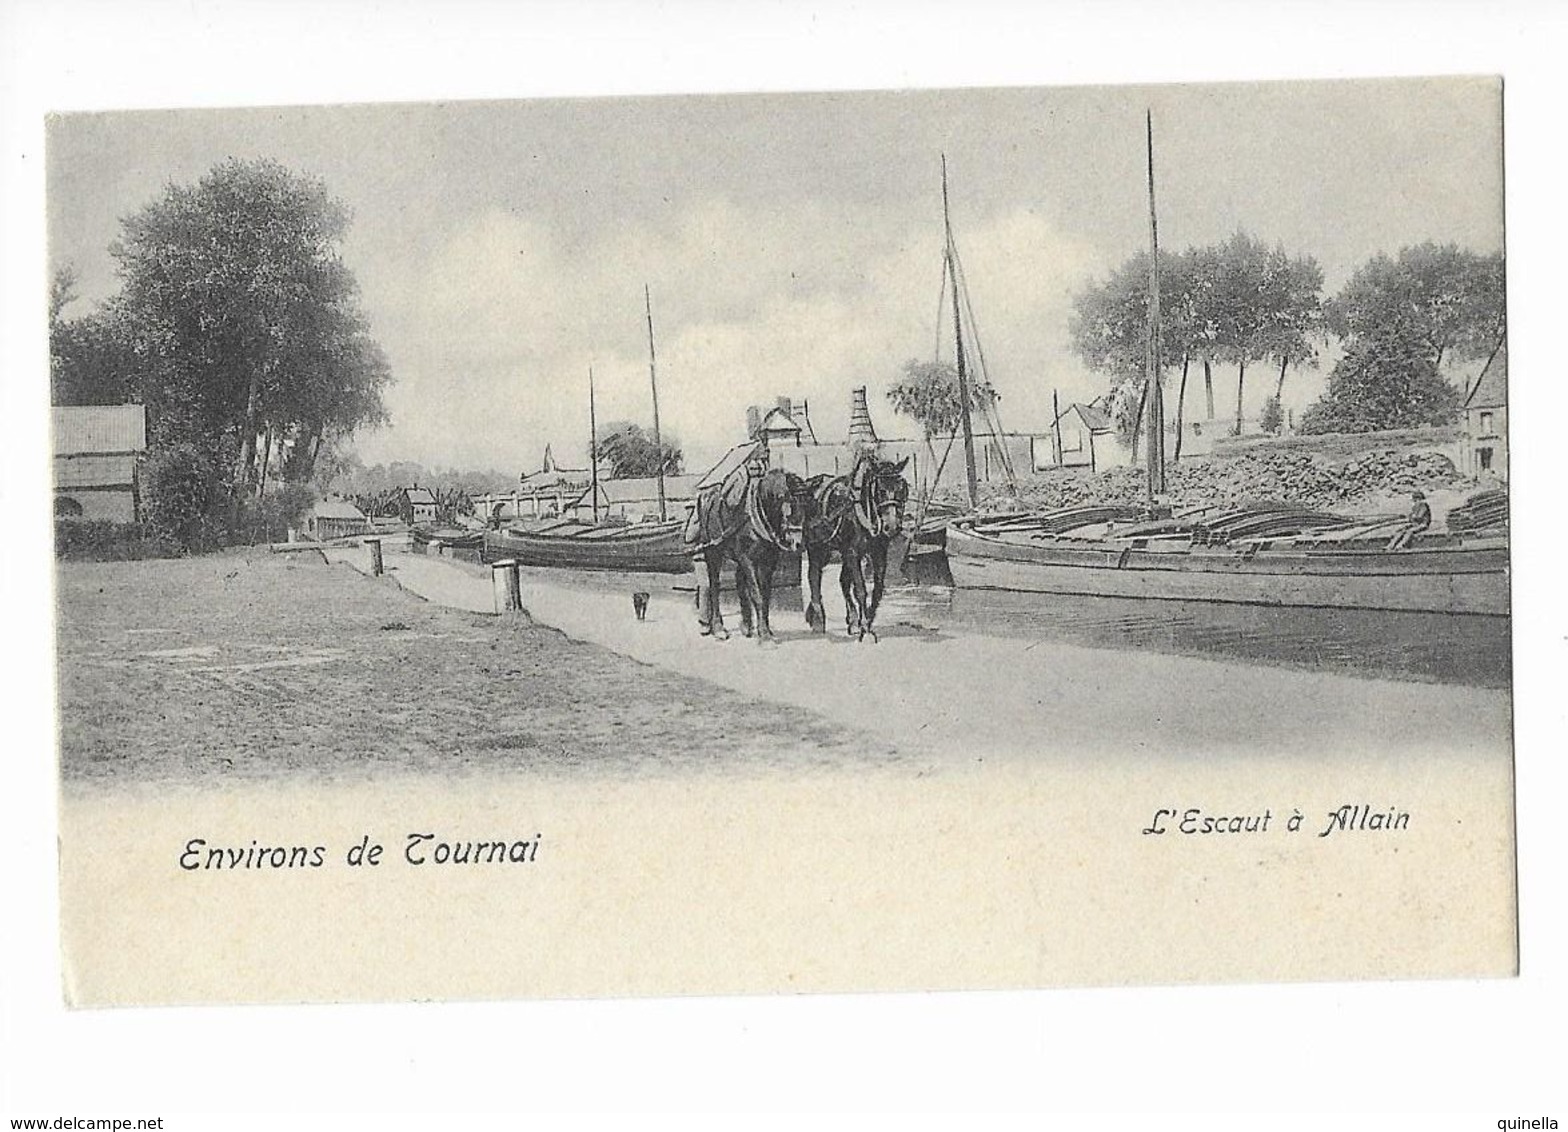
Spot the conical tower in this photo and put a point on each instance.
(860, 428)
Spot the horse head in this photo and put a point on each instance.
(881, 494)
(786, 505)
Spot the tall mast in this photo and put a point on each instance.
(593, 447)
(1156, 397)
(653, 380)
(958, 335)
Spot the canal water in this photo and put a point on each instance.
(1426, 647)
(1436, 648)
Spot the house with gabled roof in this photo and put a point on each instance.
(1486, 419)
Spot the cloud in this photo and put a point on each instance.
(491, 333)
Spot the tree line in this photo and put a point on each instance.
(1241, 303)
(239, 327)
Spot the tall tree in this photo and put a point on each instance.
(630, 451)
(1293, 301)
(1241, 311)
(1110, 324)
(243, 319)
(1447, 302)
(1386, 379)
(929, 394)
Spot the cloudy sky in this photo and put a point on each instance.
(792, 243)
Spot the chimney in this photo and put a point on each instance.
(785, 406)
(549, 460)
(753, 421)
(860, 430)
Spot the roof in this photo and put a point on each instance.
(99, 428)
(731, 460)
(644, 489)
(420, 496)
(778, 420)
(1491, 388)
(1095, 417)
(554, 478)
(336, 509)
(94, 471)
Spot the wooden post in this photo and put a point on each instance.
(1056, 423)
(653, 380)
(1153, 360)
(506, 585)
(958, 335)
(376, 568)
(593, 448)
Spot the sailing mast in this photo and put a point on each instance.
(653, 380)
(1156, 397)
(958, 334)
(593, 447)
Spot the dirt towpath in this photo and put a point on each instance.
(969, 695)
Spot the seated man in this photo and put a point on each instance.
(1420, 521)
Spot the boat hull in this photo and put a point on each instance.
(1446, 580)
(655, 549)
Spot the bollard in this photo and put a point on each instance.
(506, 586)
(375, 556)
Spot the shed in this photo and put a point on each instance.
(1088, 438)
(335, 518)
(97, 451)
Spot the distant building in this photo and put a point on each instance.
(335, 518)
(416, 505)
(1486, 419)
(1088, 438)
(97, 449)
(635, 499)
(785, 435)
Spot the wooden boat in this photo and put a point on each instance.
(1345, 568)
(450, 538)
(656, 548)
(640, 548)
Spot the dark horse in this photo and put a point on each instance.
(752, 517)
(856, 515)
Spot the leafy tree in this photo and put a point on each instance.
(177, 483)
(1447, 302)
(1292, 300)
(1273, 418)
(631, 452)
(90, 362)
(1386, 379)
(929, 395)
(1241, 307)
(1110, 328)
(244, 321)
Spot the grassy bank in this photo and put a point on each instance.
(257, 666)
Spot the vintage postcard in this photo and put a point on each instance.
(780, 543)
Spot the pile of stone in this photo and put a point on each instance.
(1366, 480)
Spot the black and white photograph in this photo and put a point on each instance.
(924, 501)
(891, 578)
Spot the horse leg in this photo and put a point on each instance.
(878, 582)
(766, 560)
(862, 619)
(745, 590)
(699, 566)
(846, 583)
(816, 616)
(715, 561)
